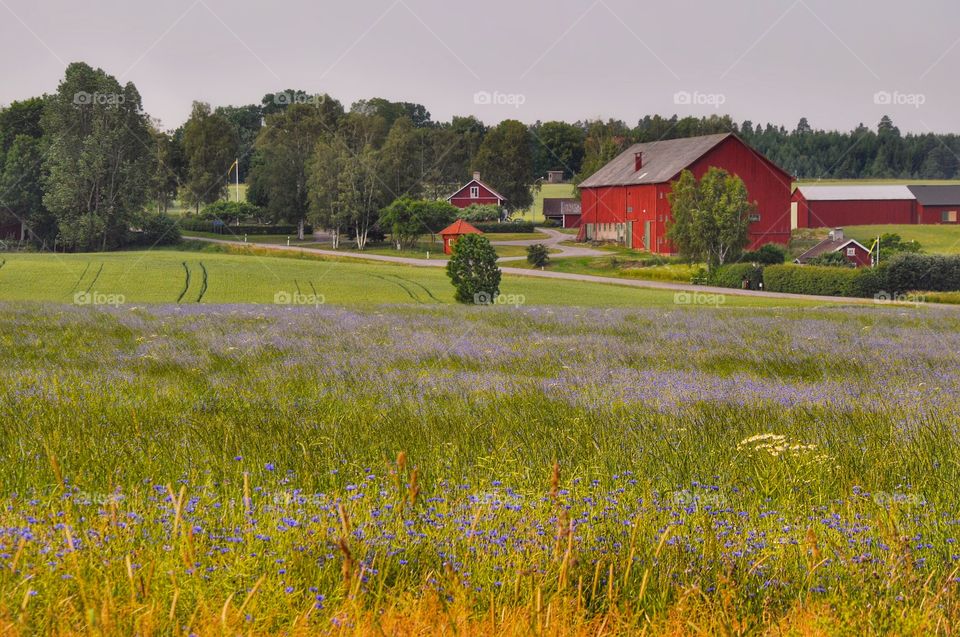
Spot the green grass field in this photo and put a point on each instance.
(935, 239)
(535, 213)
(212, 276)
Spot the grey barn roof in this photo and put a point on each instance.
(854, 193)
(937, 195)
(662, 161)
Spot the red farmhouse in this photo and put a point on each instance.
(626, 200)
(453, 232)
(476, 192)
(853, 250)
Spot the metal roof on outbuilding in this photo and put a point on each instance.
(855, 193)
(937, 195)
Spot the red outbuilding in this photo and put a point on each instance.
(856, 205)
(852, 250)
(833, 206)
(626, 200)
(476, 192)
(937, 204)
(453, 232)
(564, 212)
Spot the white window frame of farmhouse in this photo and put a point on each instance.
(851, 252)
(474, 192)
(754, 218)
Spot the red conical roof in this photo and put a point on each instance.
(459, 227)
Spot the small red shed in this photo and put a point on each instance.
(476, 192)
(853, 250)
(453, 232)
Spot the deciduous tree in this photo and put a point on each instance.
(711, 217)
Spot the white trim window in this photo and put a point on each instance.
(474, 192)
(851, 252)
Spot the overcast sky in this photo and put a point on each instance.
(837, 62)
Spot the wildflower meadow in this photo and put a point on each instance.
(244, 469)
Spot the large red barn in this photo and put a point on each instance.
(476, 192)
(626, 200)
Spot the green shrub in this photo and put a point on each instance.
(537, 255)
(832, 259)
(817, 280)
(156, 229)
(473, 270)
(230, 211)
(477, 212)
(767, 254)
(733, 276)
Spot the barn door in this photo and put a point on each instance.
(646, 236)
(794, 215)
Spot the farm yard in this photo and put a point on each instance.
(552, 470)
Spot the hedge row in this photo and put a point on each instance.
(923, 272)
(904, 273)
(508, 226)
(206, 225)
(824, 281)
(733, 276)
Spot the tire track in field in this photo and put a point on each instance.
(95, 278)
(186, 284)
(203, 286)
(82, 274)
(401, 286)
(419, 285)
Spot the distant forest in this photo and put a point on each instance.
(82, 168)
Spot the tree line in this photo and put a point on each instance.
(86, 168)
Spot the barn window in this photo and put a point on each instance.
(754, 218)
(851, 252)
(474, 192)
(948, 216)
